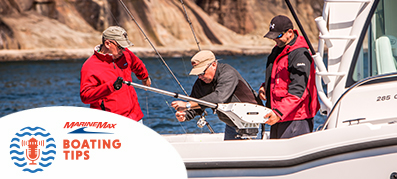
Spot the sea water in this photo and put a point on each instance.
(32, 84)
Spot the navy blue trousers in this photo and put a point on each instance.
(290, 129)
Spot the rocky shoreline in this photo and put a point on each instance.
(70, 54)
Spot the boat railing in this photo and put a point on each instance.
(322, 74)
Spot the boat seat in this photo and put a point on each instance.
(385, 46)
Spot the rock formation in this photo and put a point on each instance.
(62, 29)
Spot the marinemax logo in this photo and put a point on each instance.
(93, 125)
(32, 149)
(76, 149)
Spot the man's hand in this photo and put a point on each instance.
(179, 105)
(118, 83)
(180, 115)
(262, 93)
(147, 82)
(273, 118)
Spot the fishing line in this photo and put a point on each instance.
(114, 18)
(146, 96)
(191, 26)
(169, 107)
(147, 107)
(184, 66)
(146, 37)
(197, 42)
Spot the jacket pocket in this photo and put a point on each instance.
(280, 92)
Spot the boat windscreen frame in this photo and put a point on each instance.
(350, 81)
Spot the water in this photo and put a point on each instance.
(27, 85)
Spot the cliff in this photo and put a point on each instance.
(64, 29)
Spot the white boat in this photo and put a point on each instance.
(359, 137)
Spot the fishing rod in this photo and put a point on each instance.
(146, 37)
(191, 26)
(316, 57)
(246, 116)
(300, 26)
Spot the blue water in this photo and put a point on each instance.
(26, 85)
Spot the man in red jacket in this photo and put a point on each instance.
(103, 73)
(289, 88)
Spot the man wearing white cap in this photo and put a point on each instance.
(103, 73)
(216, 83)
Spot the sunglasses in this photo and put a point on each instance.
(117, 45)
(205, 70)
(280, 35)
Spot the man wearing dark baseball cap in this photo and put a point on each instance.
(102, 75)
(289, 88)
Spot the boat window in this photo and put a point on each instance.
(379, 52)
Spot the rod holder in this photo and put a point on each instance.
(321, 67)
(322, 27)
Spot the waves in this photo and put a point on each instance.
(48, 158)
(35, 134)
(17, 152)
(49, 152)
(32, 129)
(32, 171)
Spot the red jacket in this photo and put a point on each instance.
(99, 73)
(287, 106)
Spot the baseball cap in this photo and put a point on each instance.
(278, 25)
(117, 34)
(201, 60)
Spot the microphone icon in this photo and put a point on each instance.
(32, 153)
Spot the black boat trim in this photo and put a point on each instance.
(295, 161)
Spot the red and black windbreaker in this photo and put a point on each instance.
(291, 89)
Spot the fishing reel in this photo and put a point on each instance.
(202, 122)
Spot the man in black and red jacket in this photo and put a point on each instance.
(289, 88)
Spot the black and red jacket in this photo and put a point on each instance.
(290, 81)
(99, 73)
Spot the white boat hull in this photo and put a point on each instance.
(347, 152)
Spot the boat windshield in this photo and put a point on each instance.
(380, 45)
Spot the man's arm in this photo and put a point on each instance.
(138, 67)
(299, 68)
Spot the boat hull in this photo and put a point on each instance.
(358, 150)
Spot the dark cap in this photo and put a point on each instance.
(278, 25)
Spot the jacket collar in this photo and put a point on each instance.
(101, 56)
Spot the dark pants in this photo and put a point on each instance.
(290, 129)
(230, 133)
